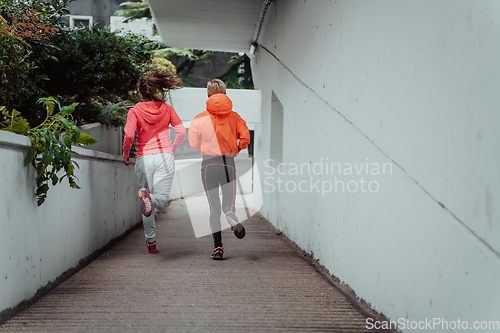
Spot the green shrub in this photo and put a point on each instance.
(96, 62)
(114, 114)
(40, 57)
(14, 66)
(25, 30)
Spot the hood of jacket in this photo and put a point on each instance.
(151, 112)
(219, 104)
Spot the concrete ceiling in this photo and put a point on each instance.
(218, 25)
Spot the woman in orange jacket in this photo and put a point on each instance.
(220, 133)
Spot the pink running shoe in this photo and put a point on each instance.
(146, 207)
(151, 247)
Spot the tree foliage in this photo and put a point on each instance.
(40, 56)
(94, 62)
(134, 11)
(14, 65)
(239, 75)
(25, 29)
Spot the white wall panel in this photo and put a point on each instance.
(219, 25)
(40, 243)
(189, 102)
(402, 82)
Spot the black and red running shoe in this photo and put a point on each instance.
(151, 247)
(218, 253)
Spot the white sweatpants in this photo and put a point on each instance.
(155, 173)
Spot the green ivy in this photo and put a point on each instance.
(51, 144)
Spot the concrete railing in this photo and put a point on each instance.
(38, 244)
(109, 140)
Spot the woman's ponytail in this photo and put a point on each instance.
(158, 83)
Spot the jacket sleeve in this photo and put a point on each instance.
(130, 128)
(179, 129)
(243, 134)
(194, 135)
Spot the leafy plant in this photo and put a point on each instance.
(96, 62)
(114, 114)
(239, 75)
(13, 122)
(163, 51)
(29, 24)
(162, 64)
(51, 144)
(14, 65)
(40, 57)
(36, 16)
(26, 29)
(135, 11)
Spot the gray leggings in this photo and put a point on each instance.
(155, 173)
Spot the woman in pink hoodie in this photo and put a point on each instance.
(154, 166)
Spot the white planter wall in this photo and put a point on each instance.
(189, 102)
(109, 140)
(40, 243)
(409, 83)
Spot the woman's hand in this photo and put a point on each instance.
(126, 160)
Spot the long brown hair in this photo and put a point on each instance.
(158, 82)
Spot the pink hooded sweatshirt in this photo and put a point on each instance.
(152, 121)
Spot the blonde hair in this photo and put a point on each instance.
(216, 86)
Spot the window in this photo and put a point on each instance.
(80, 20)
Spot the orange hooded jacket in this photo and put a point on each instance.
(217, 130)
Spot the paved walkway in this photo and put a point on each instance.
(262, 285)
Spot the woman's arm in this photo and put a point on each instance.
(130, 128)
(179, 129)
(243, 134)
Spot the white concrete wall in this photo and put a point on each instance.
(198, 24)
(189, 102)
(109, 140)
(142, 26)
(410, 83)
(40, 243)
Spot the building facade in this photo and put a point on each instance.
(93, 12)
